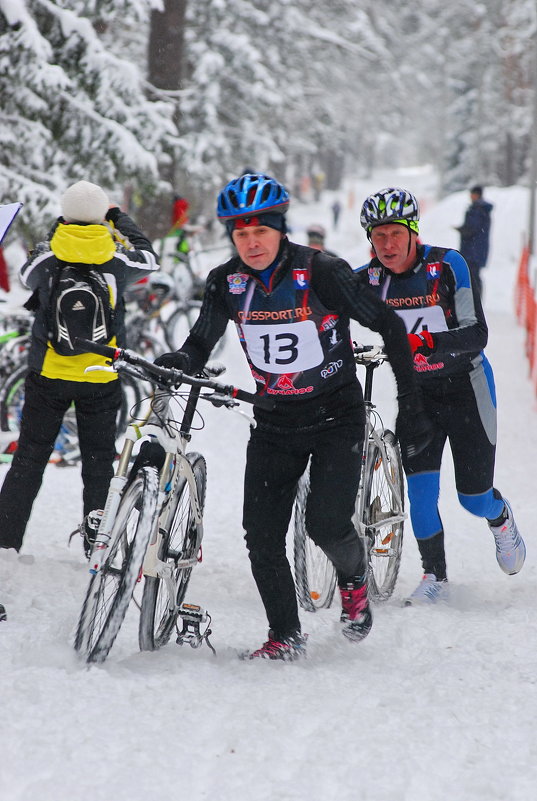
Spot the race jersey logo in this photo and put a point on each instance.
(284, 382)
(328, 322)
(334, 339)
(237, 283)
(284, 386)
(332, 368)
(434, 270)
(300, 277)
(421, 364)
(374, 274)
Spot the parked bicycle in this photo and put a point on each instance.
(379, 512)
(152, 525)
(188, 269)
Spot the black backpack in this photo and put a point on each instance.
(79, 307)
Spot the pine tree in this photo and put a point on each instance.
(73, 106)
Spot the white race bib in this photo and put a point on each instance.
(286, 348)
(430, 318)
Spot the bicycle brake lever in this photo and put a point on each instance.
(106, 368)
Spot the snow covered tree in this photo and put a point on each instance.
(73, 106)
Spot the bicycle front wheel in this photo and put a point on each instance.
(111, 589)
(384, 501)
(315, 576)
(178, 553)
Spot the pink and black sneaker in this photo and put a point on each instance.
(287, 649)
(356, 613)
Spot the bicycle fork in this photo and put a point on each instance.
(115, 490)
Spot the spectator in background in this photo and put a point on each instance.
(316, 236)
(336, 211)
(179, 211)
(475, 233)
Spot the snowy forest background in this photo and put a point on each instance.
(152, 97)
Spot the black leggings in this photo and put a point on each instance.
(275, 462)
(45, 403)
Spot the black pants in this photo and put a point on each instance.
(462, 410)
(45, 403)
(275, 461)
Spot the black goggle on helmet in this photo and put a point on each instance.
(251, 194)
(391, 205)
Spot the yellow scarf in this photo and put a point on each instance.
(82, 244)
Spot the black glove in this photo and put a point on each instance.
(112, 214)
(413, 428)
(178, 360)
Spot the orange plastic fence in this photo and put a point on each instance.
(522, 285)
(526, 311)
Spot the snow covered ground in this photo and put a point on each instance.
(436, 704)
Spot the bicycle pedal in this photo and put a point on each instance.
(192, 613)
(193, 616)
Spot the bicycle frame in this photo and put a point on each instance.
(175, 466)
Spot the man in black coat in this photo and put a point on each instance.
(475, 233)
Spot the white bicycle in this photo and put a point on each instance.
(379, 511)
(152, 525)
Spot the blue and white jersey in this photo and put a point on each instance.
(436, 295)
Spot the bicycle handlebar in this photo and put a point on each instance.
(369, 354)
(169, 377)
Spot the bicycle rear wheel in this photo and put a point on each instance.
(315, 576)
(385, 541)
(158, 613)
(110, 591)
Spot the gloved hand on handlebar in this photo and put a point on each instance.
(178, 360)
(422, 343)
(413, 428)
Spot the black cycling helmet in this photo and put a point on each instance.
(251, 194)
(391, 205)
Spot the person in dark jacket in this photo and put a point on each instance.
(431, 290)
(291, 306)
(475, 234)
(316, 238)
(82, 235)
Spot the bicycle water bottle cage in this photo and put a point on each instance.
(193, 616)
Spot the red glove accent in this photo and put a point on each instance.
(422, 342)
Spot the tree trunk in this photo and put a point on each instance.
(165, 69)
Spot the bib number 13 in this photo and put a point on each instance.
(284, 344)
(288, 348)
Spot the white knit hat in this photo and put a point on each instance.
(84, 202)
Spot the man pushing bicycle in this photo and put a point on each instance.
(291, 306)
